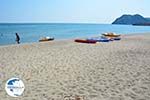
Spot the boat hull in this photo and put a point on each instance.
(99, 39)
(45, 39)
(85, 41)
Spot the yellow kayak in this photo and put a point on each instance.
(111, 34)
(44, 39)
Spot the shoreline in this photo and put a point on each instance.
(61, 40)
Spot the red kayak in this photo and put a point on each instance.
(85, 41)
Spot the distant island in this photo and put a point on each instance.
(132, 20)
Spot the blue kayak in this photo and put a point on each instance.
(99, 39)
(117, 38)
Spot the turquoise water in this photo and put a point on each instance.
(32, 32)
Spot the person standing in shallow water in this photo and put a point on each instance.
(17, 38)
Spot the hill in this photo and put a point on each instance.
(131, 19)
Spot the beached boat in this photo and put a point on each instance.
(113, 38)
(44, 39)
(110, 38)
(111, 34)
(99, 39)
(107, 37)
(85, 41)
(117, 38)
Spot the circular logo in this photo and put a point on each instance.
(14, 87)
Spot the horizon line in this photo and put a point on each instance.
(52, 23)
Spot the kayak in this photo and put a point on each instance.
(85, 41)
(117, 38)
(113, 38)
(111, 34)
(44, 39)
(99, 39)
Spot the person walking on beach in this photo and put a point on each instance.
(17, 38)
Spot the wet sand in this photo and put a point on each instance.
(118, 70)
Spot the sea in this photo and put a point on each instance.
(32, 32)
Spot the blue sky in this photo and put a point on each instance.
(70, 11)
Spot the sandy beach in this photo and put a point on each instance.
(118, 70)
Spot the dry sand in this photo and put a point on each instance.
(118, 70)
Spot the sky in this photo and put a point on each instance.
(70, 11)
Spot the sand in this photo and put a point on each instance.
(59, 70)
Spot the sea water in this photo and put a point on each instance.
(32, 32)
